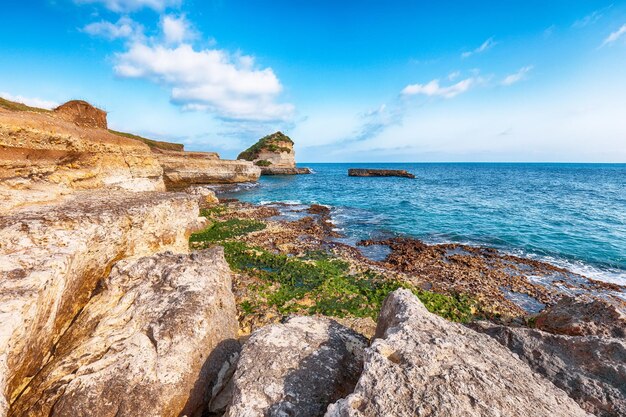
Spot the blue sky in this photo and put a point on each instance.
(348, 81)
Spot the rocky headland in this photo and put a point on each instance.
(128, 288)
(275, 155)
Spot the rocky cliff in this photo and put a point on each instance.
(184, 169)
(275, 155)
(45, 155)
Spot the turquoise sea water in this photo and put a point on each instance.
(571, 215)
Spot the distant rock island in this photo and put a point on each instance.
(275, 155)
(359, 172)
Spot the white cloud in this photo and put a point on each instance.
(209, 79)
(615, 35)
(517, 76)
(591, 18)
(124, 28)
(433, 88)
(122, 6)
(488, 44)
(30, 101)
(176, 29)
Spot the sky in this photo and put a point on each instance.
(348, 81)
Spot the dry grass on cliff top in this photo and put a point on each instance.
(14, 106)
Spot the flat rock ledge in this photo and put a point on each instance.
(422, 365)
(358, 172)
(150, 342)
(296, 368)
(285, 171)
(53, 257)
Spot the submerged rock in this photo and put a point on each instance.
(422, 365)
(358, 172)
(275, 155)
(151, 341)
(296, 368)
(52, 258)
(591, 369)
(585, 316)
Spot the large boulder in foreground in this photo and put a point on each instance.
(422, 365)
(52, 258)
(591, 369)
(296, 368)
(275, 155)
(184, 169)
(150, 342)
(585, 316)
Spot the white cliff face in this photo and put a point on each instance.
(52, 258)
(422, 365)
(151, 341)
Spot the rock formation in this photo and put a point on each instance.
(82, 114)
(358, 172)
(585, 316)
(590, 366)
(52, 258)
(151, 340)
(296, 368)
(43, 156)
(423, 365)
(275, 155)
(184, 169)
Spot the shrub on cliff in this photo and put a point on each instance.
(276, 142)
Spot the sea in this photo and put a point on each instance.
(569, 215)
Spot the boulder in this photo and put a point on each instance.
(184, 169)
(591, 369)
(583, 316)
(52, 258)
(82, 114)
(422, 365)
(296, 368)
(151, 341)
(275, 155)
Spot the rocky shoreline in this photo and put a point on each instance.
(121, 297)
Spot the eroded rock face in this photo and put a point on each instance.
(82, 113)
(52, 257)
(150, 342)
(184, 169)
(296, 368)
(275, 155)
(422, 365)
(592, 370)
(43, 157)
(585, 316)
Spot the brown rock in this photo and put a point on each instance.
(151, 340)
(82, 114)
(357, 172)
(585, 316)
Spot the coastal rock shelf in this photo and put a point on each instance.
(362, 172)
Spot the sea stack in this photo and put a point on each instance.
(275, 155)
